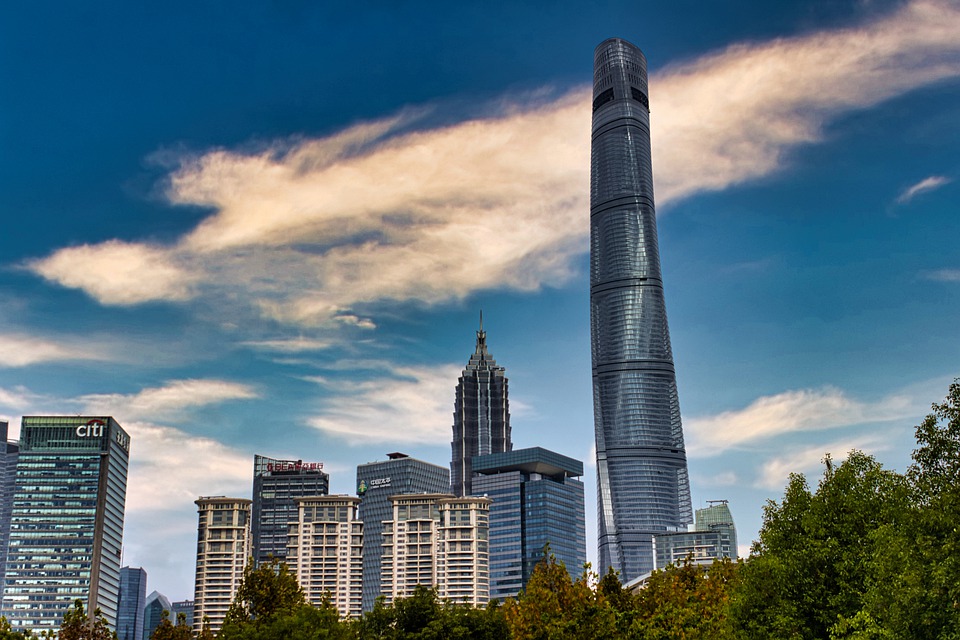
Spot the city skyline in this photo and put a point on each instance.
(268, 229)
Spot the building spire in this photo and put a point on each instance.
(481, 335)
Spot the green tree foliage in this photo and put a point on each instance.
(7, 632)
(166, 630)
(555, 607)
(812, 567)
(205, 631)
(265, 593)
(423, 616)
(77, 625)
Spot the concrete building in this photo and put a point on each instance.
(325, 552)
(223, 546)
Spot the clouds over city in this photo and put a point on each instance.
(927, 184)
(309, 231)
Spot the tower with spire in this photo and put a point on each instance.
(481, 415)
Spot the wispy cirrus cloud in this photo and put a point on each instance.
(791, 412)
(381, 213)
(927, 184)
(20, 350)
(169, 400)
(774, 473)
(944, 275)
(410, 405)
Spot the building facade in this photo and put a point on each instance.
(376, 482)
(9, 452)
(276, 486)
(184, 607)
(537, 500)
(325, 552)
(153, 610)
(713, 536)
(481, 415)
(66, 521)
(223, 546)
(437, 540)
(642, 479)
(133, 599)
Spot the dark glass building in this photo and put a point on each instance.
(276, 486)
(537, 501)
(157, 603)
(9, 452)
(66, 525)
(186, 608)
(376, 482)
(713, 536)
(133, 599)
(481, 415)
(643, 486)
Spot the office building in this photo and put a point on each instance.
(376, 482)
(153, 610)
(276, 486)
(133, 600)
(66, 522)
(642, 482)
(538, 500)
(9, 452)
(325, 552)
(712, 536)
(437, 540)
(481, 415)
(184, 607)
(223, 546)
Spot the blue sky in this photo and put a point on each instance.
(270, 227)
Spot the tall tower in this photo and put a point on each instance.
(481, 415)
(642, 483)
(66, 522)
(133, 600)
(223, 546)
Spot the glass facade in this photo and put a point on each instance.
(276, 486)
(9, 452)
(481, 415)
(536, 500)
(133, 599)
(66, 522)
(713, 536)
(643, 486)
(186, 608)
(376, 482)
(157, 603)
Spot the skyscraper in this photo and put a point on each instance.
(133, 600)
(537, 500)
(66, 525)
(376, 482)
(642, 482)
(223, 546)
(481, 415)
(713, 536)
(9, 452)
(276, 486)
(157, 603)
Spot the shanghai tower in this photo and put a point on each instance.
(642, 482)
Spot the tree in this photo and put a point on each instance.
(166, 630)
(205, 632)
(77, 625)
(265, 593)
(7, 632)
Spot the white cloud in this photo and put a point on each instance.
(413, 405)
(156, 403)
(775, 471)
(945, 275)
(17, 350)
(307, 231)
(927, 184)
(290, 345)
(787, 412)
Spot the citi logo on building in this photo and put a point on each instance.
(93, 429)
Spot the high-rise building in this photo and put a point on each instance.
(66, 523)
(376, 482)
(9, 452)
(537, 501)
(437, 540)
(642, 482)
(153, 610)
(325, 552)
(713, 536)
(276, 486)
(133, 600)
(184, 607)
(223, 546)
(481, 415)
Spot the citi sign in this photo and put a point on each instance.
(93, 429)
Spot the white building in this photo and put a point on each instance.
(223, 546)
(437, 540)
(325, 551)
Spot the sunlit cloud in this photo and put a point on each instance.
(411, 406)
(289, 345)
(774, 473)
(790, 412)
(18, 350)
(945, 275)
(925, 185)
(157, 403)
(315, 232)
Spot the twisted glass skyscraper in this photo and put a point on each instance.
(642, 482)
